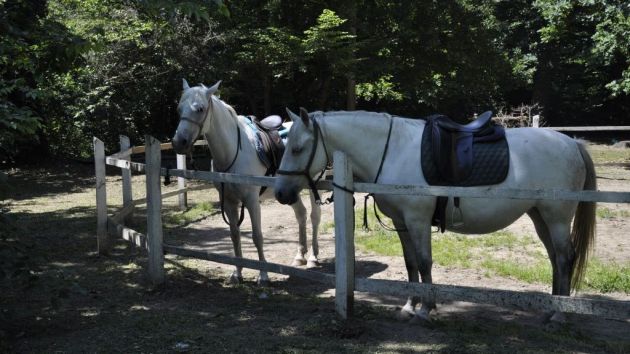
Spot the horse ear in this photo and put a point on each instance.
(185, 84)
(214, 88)
(304, 115)
(294, 117)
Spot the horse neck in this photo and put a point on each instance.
(363, 143)
(220, 133)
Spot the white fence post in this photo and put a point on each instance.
(535, 121)
(154, 210)
(125, 145)
(181, 183)
(102, 238)
(344, 236)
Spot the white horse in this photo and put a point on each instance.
(539, 159)
(232, 145)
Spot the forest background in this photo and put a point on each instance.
(74, 69)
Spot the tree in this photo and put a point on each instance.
(32, 47)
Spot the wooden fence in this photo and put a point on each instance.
(344, 280)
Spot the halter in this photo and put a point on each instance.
(305, 171)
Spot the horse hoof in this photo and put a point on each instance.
(312, 264)
(298, 262)
(234, 279)
(422, 320)
(554, 321)
(263, 283)
(405, 314)
(422, 317)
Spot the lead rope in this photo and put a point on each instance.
(238, 147)
(366, 227)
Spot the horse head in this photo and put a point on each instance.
(303, 159)
(193, 109)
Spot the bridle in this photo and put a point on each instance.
(238, 148)
(305, 172)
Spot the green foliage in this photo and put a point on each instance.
(32, 47)
(73, 69)
(382, 89)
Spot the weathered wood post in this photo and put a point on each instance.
(181, 183)
(344, 236)
(154, 210)
(102, 238)
(125, 145)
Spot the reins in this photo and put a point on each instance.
(238, 148)
(378, 173)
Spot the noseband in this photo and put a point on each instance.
(305, 171)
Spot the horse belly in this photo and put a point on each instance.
(482, 216)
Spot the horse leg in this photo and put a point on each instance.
(316, 217)
(232, 212)
(253, 207)
(408, 311)
(545, 237)
(300, 214)
(558, 223)
(420, 233)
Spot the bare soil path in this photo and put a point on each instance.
(63, 297)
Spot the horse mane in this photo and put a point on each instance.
(362, 113)
(226, 106)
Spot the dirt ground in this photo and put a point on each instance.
(69, 299)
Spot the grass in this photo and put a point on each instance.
(607, 213)
(193, 214)
(501, 253)
(602, 154)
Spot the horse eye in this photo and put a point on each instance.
(296, 150)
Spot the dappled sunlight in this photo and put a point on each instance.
(90, 313)
(139, 308)
(64, 264)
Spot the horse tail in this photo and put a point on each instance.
(583, 231)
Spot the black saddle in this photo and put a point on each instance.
(453, 144)
(462, 155)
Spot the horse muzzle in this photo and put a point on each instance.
(286, 195)
(181, 145)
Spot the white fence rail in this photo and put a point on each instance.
(344, 279)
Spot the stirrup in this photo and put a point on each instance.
(457, 218)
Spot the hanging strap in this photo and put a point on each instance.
(238, 148)
(378, 173)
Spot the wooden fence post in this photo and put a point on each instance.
(125, 145)
(344, 236)
(154, 210)
(181, 182)
(102, 238)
